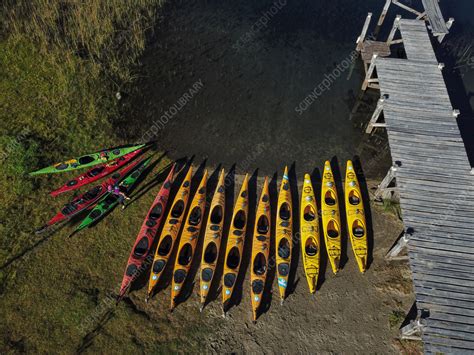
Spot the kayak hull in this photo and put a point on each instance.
(331, 218)
(188, 241)
(284, 235)
(87, 160)
(96, 173)
(139, 257)
(355, 215)
(310, 238)
(235, 244)
(260, 250)
(212, 239)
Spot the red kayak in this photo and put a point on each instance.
(146, 236)
(87, 199)
(96, 173)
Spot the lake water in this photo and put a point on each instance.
(276, 88)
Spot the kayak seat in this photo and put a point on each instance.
(354, 200)
(68, 209)
(285, 213)
(167, 185)
(214, 228)
(261, 238)
(330, 198)
(165, 246)
(185, 255)
(96, 171)
(309, 213)
(263, 225)
(95, 214)
(150, 223)
(284, 248)
(220, 189)
(178, 209)
(206, 274)
(186, 183)
(216, 215)
(92, 193)
(229, 279)
(358, 232)
(332, 229)
(158, 266)
(195, 216)
(173, 221)
(141, 248)
(233, 258)
(86, 159)
(192, 229)
(265, 198)
(332, 233)
(71, 183)
(238, 233)
(210, 254)
(202, 190)
(61, 166)
(257, 286)
(239, 220)
(259, 264)
(179, 276)
(283, 269)
(116, 151)
(311, 249)
(136, 174)
(157, 211)
(131, 270)
(244, 194)
(285, 224)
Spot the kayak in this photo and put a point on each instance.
(356, 217)
(310, 242)
(284, 235)
(212, 239)
(109, 201)
(170, 232)
(188, 241)
(95, 173)
(260, 250)
(235, 244)
(87, 199)
(87, 160)
(139, 257)
(331, 218)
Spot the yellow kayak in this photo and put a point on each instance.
(355, 217)
(331, 218)
(260, 249)
(284, 235)
(310, 243)
(188, 240)
(212, 239)
(170, 232)
(235, 244)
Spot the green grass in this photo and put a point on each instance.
(61, 64)
(396, 318)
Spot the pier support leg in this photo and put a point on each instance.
(409, 9)
(394, 252)
(369, 72)
(373, 121)
(361, 38)
(383, 191)
(396, 23)
(449, 23)
(414, 329)
(382, 17)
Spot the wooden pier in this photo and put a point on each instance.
(435, 186)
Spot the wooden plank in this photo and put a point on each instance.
(462, 344)
(435, 17)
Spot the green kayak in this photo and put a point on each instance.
(109, 201)
(85, 161)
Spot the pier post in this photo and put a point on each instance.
(394, 29)
(382, 17)
(383, 190)
(449, 23)
(361, 38)
(373, 121)
(369, 72)
(413, 330)
(394, 252)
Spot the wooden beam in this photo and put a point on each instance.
(375, 116)
(397, 248)
(361, 38)
(391, 174)
(405, 7)
(383, 14)
(449, 23)
(396, 23)
(369, 72)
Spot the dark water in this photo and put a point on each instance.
(258, 61)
